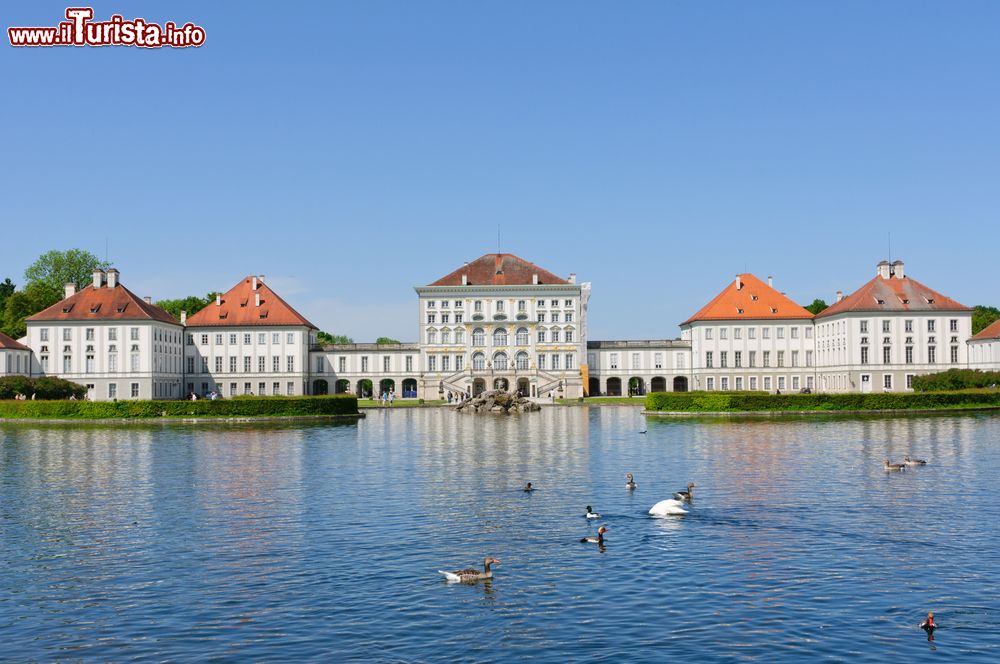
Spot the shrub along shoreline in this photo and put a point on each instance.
(758, 402)
(239, 407)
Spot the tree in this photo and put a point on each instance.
(817, 306)
(7, 289)
(192, 304)
(327, 338)
(22, 304)
(387, 340)
(55, 268)
(983, 317)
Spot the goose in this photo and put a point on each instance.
(471, 575)
(630, 484)
(890, 467)
(590, 539)
(914, 462)
(685, 496)
(528, 487)
(928, 625)
(591, 514)
(669, 507)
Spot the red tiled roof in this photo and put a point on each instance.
(104, 303)
(893, 295)
(499, 270)
(238, 307)
(754, 300)
(10, 344)
(990, 332)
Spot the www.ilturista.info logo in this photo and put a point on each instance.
(80, 30)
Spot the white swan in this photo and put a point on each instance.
(669, 507)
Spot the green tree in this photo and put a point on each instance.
(983, 317)
(192, 304)
(327, 338)
(22, 304)
(817, 306)
(7, 289)
(387, 340)
(55, 268)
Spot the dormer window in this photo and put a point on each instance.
(753, 297)
(263, 314)
(879, 301)
(774, 310)
(68, 308)
(905, 301)
(95, 308)
(930, 300)
(223, 314)
(122, 308)
(738, 310)
(243, 303)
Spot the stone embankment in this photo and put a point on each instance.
(499, 402)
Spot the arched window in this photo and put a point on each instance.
(460, 336)
(500, 337)
(500, 362)
(522, 336)
(521, 361)
(478, 337)
(446, 336)
(432, 336)
(479, 362)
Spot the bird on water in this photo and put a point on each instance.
(471, 574)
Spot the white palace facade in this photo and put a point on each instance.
(501, 322)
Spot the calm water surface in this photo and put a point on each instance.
(321, 542)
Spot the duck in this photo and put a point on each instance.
(630, 484)
(591, 514)
(643, 431)
(914, 462)
(471, 575)
(669, 507)
(590, 539)
(685, 496)
(528, 488)
(928, 625)
(890, 467)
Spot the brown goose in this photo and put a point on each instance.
(685, 495)
(471, 575)
(892, 467)
(914, 462)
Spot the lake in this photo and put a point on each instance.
(320, 542)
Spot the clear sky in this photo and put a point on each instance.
(352, 150)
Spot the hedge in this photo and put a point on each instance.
(240, 407)
(46, 387)
(956, 379)
(720, 402)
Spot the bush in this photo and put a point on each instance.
(46, 387)
(956, 379)
(249, 407)
(723, 402)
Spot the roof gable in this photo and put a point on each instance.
(893, 294)
(749, 298)
(239, 307)
(102, 304)
(498, 270)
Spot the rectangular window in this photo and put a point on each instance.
(541, 361)
(708, 360)
(953, 325)
(232, 340)
(737, 332)
(477, 306)
(724, 383)
(67, 334)
(218, 340)
(386, 359)
(135, 390)
(767, 357)
(954, 354)
(541, 317)
(555, 316)
(459, 362)
(290, 363)
(364, 363)
(765, 333)
(261, 389)
(781, 333)
(458, 318)
(863, 326)
(246, 364)
(246, 339)
(569, 360)
(135, 361)
(887, 381)
(218, 364)
(886, 354)
(723, 359)
(767, 383)
(909, 381)
(341, 364)
(204, 365)
(931, 354)
(864, 355)
(555, 336)
(739, 383)
(809, 333)
(723, 333)
(431, 319)
(752, 333)
(261, 364)
(795, 383)
(134, 333)
(409, 363)
(112, 362)
(247, 388)
(45, 333)
(204, 339)
(752, 359)
(276, 339)
(710, 383)
(635, 360)
(89, 364)
(708, 333)
(795, 358)
(753, 383)
(658, 360)
(930, 326)
(795, 333)
(432, 363)
(541, 336)
(232, 365)
(909, 354)
(781, 382)
(568, 317)
(112, 390)
(781, 357)
(555, 361)
(568, 334)
(908, 326)
(89, 334)
(809, 357)
(232, 389)
(613, 360)
(275, 363)
(885, 327)
(261, 338)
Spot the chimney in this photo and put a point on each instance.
(69, 290)
(147, 300)
(534, 279)
(184, 317)
(98, 278)
(883, 269)
(218, 299)
(465, 280)
(770, 281)
(897, 269)
(840, 295)
(739, 282)
(261, 278)
(255, 283)
(572, 277)
(113, 275)
(256, 299)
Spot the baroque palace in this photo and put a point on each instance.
(501, 322)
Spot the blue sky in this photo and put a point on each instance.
(350, 151)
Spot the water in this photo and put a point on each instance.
(322, 542)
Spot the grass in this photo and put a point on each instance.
(403, 403)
